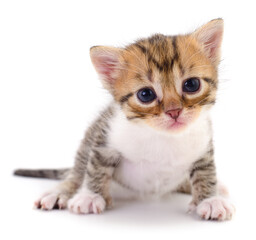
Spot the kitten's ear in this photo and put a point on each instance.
(106, 61)
(210, 37)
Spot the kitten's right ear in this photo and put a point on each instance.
(107, 63)
(210, 38)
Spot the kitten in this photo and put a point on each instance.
(156, 135)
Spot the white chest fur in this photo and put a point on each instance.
(155, 162)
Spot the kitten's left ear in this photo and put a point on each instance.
(107, 62)
(210, 37)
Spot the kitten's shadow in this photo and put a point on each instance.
(170, 210)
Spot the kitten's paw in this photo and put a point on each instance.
(83, 203)
(50, 200)
(215, 208)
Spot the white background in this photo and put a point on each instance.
(49, 94)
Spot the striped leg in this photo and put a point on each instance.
(93, 196)
(206, 201)
(203, 178)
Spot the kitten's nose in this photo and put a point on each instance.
(174, 113)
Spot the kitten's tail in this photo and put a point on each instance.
(43, 173)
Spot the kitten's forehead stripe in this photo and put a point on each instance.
(175, 51)
(182, 69)
(149, 75)
(156, 63)
(141, 47)
(158, 51)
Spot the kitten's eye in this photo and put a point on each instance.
(191, 85)
(146, 95)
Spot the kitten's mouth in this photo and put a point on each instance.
(172, 124)
(176, 125)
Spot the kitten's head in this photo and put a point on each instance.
(166, 82)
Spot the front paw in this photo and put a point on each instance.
(83, 203)
(52, 199)
(215, 208)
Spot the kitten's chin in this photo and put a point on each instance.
(176, 126)
(171, 127)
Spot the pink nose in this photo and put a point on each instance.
(174, 113)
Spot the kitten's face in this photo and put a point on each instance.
(164, 82)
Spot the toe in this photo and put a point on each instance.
(49, 201)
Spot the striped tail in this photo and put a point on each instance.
(43, 173)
